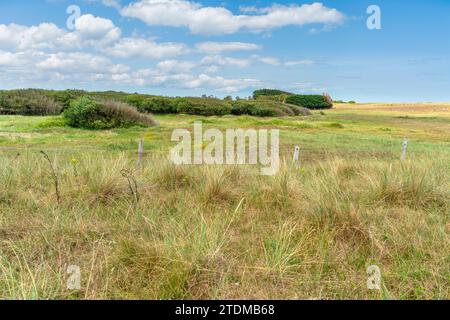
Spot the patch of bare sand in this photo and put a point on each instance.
(21, 134)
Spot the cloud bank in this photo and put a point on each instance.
(219, 20)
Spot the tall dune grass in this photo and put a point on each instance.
(223, 232)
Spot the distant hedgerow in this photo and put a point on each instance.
(158, 105)
(252, 108)
(203, 106)
(189, 105)
(29, 102)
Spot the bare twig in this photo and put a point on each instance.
(132, 184)
(16, 157)
(13, 160)
(54, 177)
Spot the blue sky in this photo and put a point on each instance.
(180, 47)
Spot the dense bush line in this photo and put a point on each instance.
(269, 103)
(88, 113)
(198, 106)
(310, 101)
(29, 103)
(157, 105)
(48, 102)
(252, 108)
(203, 106)
(214, 107)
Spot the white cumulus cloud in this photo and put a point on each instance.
(175, 65)
(218, 47)
(269, 60)
(95, 52)
(298, 63)
(219, 20)
(221, 84)
(19, 37)
(137, 47)
(96, 29)
(80, 62)
(89, 31)
(225, 61)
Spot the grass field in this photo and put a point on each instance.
(227, 232)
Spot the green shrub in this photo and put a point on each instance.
(29, 102)
(203, 106)
(88, 113)
(269, 93)
(310, 101)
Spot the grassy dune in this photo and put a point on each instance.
(226, 232)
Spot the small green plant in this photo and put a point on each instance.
(74, 166)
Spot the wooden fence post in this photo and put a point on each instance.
(297, 156)
(404, 149)
(140, 151)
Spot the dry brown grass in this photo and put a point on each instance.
(403, 107)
